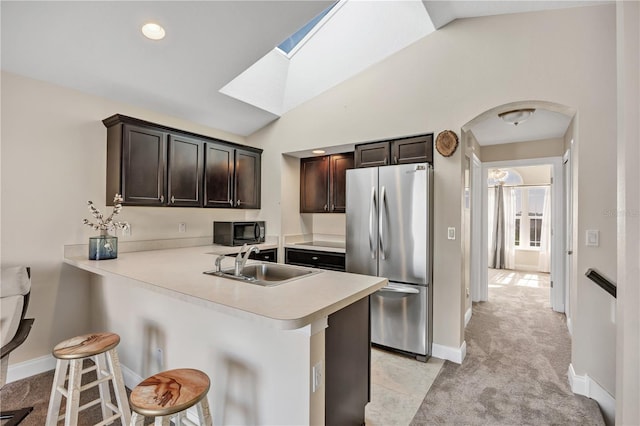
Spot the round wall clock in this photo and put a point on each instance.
(446, 143)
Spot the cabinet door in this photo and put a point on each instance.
(144, 157)
(218, 176)
(340, 163)
(314, 184)
(372, 154)
(247, 179)
(184, 175)
(268, 255)
(413, 150)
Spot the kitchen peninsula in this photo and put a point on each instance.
(259, 345)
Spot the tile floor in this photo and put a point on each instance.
(398, 386)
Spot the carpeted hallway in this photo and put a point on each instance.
(515, 371)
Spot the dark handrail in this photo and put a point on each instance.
(606, 285)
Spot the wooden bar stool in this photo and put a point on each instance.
(167, 395)
(101, 348)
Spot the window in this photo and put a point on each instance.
(292, 41)
(528, 216)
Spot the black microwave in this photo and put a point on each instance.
(238, 233)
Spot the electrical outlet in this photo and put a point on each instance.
(316, 376)
(160, 357)
(182, 227)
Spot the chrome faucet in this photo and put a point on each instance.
(241, 260)
(219, 262)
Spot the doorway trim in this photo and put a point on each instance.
(557, 228)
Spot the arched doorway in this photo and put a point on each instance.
(493, 141)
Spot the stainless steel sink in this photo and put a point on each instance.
(266, 274)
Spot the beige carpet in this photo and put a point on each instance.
(34, 392)
(515, 371)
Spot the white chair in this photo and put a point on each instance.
(15, 288)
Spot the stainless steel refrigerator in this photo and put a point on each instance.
(389, 230)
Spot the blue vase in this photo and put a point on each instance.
(103, 247)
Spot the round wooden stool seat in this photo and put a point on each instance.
(86, 345)
(102, 369)
(169, 392)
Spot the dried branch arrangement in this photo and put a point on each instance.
(103, 225)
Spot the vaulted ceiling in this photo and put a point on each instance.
(97, 48)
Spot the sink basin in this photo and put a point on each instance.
(266, 274)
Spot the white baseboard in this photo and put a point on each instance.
(456, 355)
(131, 378)
(31, 367)
(585, 385)
(467, 317)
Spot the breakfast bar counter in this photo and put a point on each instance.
(179, 273)
(264, 348)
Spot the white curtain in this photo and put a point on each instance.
(509, 228)
(545, 234)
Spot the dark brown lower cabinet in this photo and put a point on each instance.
(348, 364)
(315, 259)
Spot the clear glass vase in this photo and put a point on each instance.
(103, 247)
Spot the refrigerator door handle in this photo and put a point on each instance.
(372, 209)
(383, 255)
(399, 289)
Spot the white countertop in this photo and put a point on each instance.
(179, 273)
(328, 246)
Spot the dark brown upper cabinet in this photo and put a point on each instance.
(136, 160)
(155, 165)
(185, 168)
(232, 177)
(415, 149)
(323, 183)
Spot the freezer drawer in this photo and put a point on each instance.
(399, 318)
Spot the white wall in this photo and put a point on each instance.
(453, 75)
(53, 161)
(628, 302)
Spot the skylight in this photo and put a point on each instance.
(292, 41)
(328, 50)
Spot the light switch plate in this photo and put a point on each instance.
(593, 237)
(451, 233)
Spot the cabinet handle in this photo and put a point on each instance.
(333, 207)
(325, 207)
(162, 198)
(385, 161)
(231, 203)
(314, 257)
(173, 199)
(395, 160)
(238, 203)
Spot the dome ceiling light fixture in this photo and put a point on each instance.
(517, 116)
(153, 31)
(498, 175)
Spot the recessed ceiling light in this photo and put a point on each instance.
(318, 151)
(153, 31)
